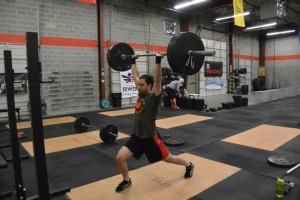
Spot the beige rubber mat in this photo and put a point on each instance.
(46, 122)
(265, 137)
(180, 120)
(118, 112)
(69, 142)
(159, 181)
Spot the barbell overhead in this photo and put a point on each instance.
(123, 56)
(185, 53)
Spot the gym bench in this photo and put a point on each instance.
(16, 109)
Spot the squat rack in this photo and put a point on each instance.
(34, 80)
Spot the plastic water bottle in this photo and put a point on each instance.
(280, 188)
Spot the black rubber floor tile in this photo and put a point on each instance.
(247, 186)
(247, 158)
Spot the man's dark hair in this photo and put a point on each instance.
(149, 79)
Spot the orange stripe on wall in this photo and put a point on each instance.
(135, 46)
(14, 39)
(87, 1)
(245, 57)
(269, 58)
(157, 48)
(72, 42)
(68, 42)
(287, 57)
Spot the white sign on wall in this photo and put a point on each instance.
(214, 84)
(128, 88)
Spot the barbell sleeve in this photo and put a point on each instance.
(83, 124)
(201, 53)
(110, 133)
(289, 171)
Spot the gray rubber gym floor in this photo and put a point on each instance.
(219, 138)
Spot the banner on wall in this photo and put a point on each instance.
(238, 8)
(20, 84)
(214, 84)
(128, 88)
(213, 69)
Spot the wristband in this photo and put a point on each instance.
(157, 60)
(133, 61)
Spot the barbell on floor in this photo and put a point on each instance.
(108, 134)
(82, 124)
(185, 53)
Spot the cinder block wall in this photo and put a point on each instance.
(283, 61)
(16, 17)
(76, 88)
(63, 27)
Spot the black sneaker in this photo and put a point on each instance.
(123, 185)
(189, 171)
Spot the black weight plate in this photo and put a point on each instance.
(79, 124)
(174, 141)
(166, 136)
(114, 58)
(179, 58)
(170, 54)
(105, 136)
(282, 161)
(170, 50)
(212, 109)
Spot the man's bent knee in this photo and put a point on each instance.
(123, 154)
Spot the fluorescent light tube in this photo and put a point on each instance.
(232, 16)
(261, 26)
(280, 32)
(187, 4)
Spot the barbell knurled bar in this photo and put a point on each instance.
(190, 53)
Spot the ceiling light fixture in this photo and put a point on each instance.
(232, 16)
(188, 4)
(280, 32)
(261, 26)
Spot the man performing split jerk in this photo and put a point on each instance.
(145, 138)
